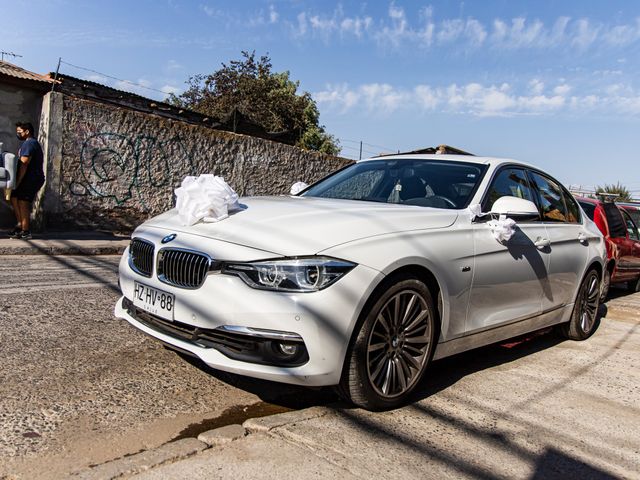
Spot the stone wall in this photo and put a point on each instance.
(115, 167)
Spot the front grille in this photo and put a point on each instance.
(141, 256)
(182, 268)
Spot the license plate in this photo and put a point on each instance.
(154, 301)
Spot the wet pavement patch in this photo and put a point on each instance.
(231, 416)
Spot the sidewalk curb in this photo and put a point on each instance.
(180, 449)
(64, 247)
(264, 424)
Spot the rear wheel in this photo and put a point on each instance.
(393, 346)
(585, 311)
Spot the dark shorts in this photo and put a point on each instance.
(27, 190)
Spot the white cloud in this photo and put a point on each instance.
(585, 34)
(323, 25)
(450, 30)
(210, 11)
(519, 34)
(536, 86)
(477, 99)
(426, 97)
(168, 89)
(382, 97)
(273, 14)
(327, 26)
(173, 65)
(475, 32)
(302, 25)
(97, 78)
(398, 30)
(562, 90)
(140, 87)
(355, 26)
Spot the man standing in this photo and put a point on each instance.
(30, 179)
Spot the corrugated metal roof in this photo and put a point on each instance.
(11, 70)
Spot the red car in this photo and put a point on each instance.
(622, 240)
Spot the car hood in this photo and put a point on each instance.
(293, 226)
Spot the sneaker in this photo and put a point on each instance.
(23, 235)
(13, 233)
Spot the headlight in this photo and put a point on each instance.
(290, 275)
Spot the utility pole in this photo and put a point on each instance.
(360, 157)
(11, 54)
(56, 75)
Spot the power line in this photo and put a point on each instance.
(113, 78)
(368, 144)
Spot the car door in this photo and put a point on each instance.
(509, 278)
(569, 242)
(630, 259)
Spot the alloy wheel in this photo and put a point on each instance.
(589, 303)
(398, 345)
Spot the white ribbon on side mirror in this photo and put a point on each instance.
(207, 197)
(503, 228)
(475, 211)
(297, 187)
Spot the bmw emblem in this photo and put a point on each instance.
(168, 238)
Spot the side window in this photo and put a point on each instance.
(573, 211)
(510, 182)
(550, 199)
(631, 227)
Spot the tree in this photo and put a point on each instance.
(624, 195)
(269, 99)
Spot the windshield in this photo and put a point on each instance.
(426, 183)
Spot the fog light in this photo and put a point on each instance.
(288, 349)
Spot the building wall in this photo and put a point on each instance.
(117, 167)
(16, 104)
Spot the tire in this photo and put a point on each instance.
(634, 285)
(392, 347)
(584, 318)
(606, 283)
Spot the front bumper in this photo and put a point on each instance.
(323, 320)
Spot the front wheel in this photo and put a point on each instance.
(583, 320)
(392, 348)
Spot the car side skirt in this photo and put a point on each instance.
(504, 332)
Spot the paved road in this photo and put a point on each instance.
(540, 409)
(78, 387)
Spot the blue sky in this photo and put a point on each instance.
(551, 83)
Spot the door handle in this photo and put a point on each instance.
(582, 238)
(542, 243)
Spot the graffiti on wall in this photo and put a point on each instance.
(118, 166)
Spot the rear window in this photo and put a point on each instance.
(617, 227)
(589, 209)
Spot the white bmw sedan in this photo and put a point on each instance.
(366, 276)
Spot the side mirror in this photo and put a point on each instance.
(516, 208)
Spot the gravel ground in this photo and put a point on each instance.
(79, 387)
